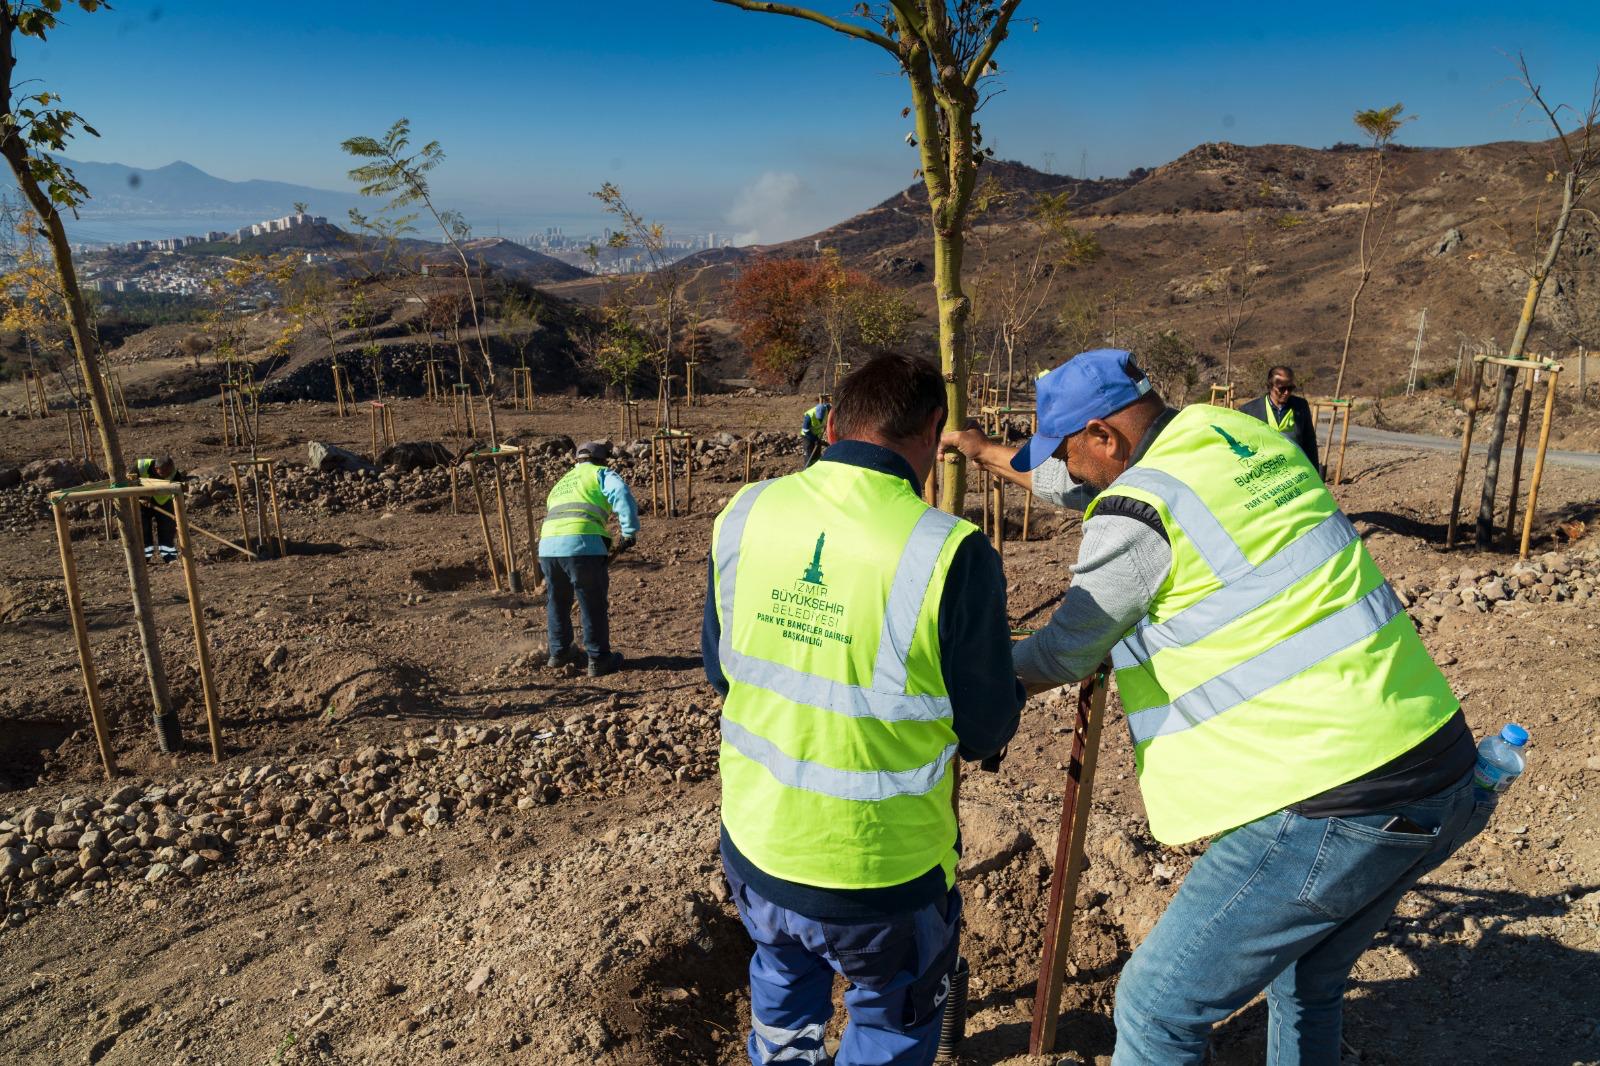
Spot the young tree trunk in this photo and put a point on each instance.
(168, 731)
(1366, 263)
(1349, 331)
(1508, 382)
(953, 311)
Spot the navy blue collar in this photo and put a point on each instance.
(872, 457)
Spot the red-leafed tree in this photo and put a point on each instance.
(792, 311)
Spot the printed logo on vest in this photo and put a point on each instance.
(1243, 452)
(813, 574)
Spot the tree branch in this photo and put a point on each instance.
(794, 11)
(996, 35)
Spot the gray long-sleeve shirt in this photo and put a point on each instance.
(1122, 562)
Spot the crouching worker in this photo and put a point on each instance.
(860, 640)
(160, 531)
(1279, 699)
(575, 551)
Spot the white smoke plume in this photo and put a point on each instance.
(775, 207)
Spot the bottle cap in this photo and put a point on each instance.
(1514, 734)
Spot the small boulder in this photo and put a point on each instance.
(50, 475)
(408, 456)
(327, 458)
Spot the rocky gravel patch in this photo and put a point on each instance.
(138, 839)
(1554, 577)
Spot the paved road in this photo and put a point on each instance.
(1365, 435)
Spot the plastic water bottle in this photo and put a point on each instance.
(1500, 759)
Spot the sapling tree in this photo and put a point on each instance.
(1573, 166)
(944, 49)
(397, 172)
(1025, 276)
(1232, 295)
(657, 293)
(34, 132)
(360, 315)
(519, 321)
(1380, 125)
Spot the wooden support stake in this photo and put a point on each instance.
(1538, 462)
(998, 487)
(80, 635)
(34, 384)
(1075, 803)
(197, 617)
(193, 528)
(339, 388)
(277, 518)
(483, 521)
(513, 576)
(244, 523)
(655, 507)
(1516, 455)
(527, 507)
(747, 460)
(1466, 450)
(1344, 438)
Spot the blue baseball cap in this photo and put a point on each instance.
(1090, 385)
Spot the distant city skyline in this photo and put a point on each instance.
(759, 127)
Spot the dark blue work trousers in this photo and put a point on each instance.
(588, 578)
(898, 967)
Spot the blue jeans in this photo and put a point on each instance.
(588, 577)
(899, 972)
(1284, 903)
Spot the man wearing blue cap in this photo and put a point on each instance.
(1279, 699)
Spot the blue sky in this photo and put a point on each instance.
(714, 118)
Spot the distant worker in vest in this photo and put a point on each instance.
(861, 642)
(1279, 699)
(160, 531)
(1286, 412)
(814, 432)
(575, 550)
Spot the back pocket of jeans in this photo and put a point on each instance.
(1357, 863)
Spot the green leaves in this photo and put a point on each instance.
(393, 172)
(1381, 124)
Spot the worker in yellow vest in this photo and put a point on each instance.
(813, 432)
(1279, 700)
(160, 531)
(575, 549)
(861, 643)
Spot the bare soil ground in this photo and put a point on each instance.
(421, 843)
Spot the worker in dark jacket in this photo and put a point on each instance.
(1285, 412)
(860, 641)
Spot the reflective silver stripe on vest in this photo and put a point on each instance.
(1238, 598)
(886, 699)
(906, 593)
(1215, 546)
(777, 1044)
(868, 786)
(584, 510)
(1293, 655)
